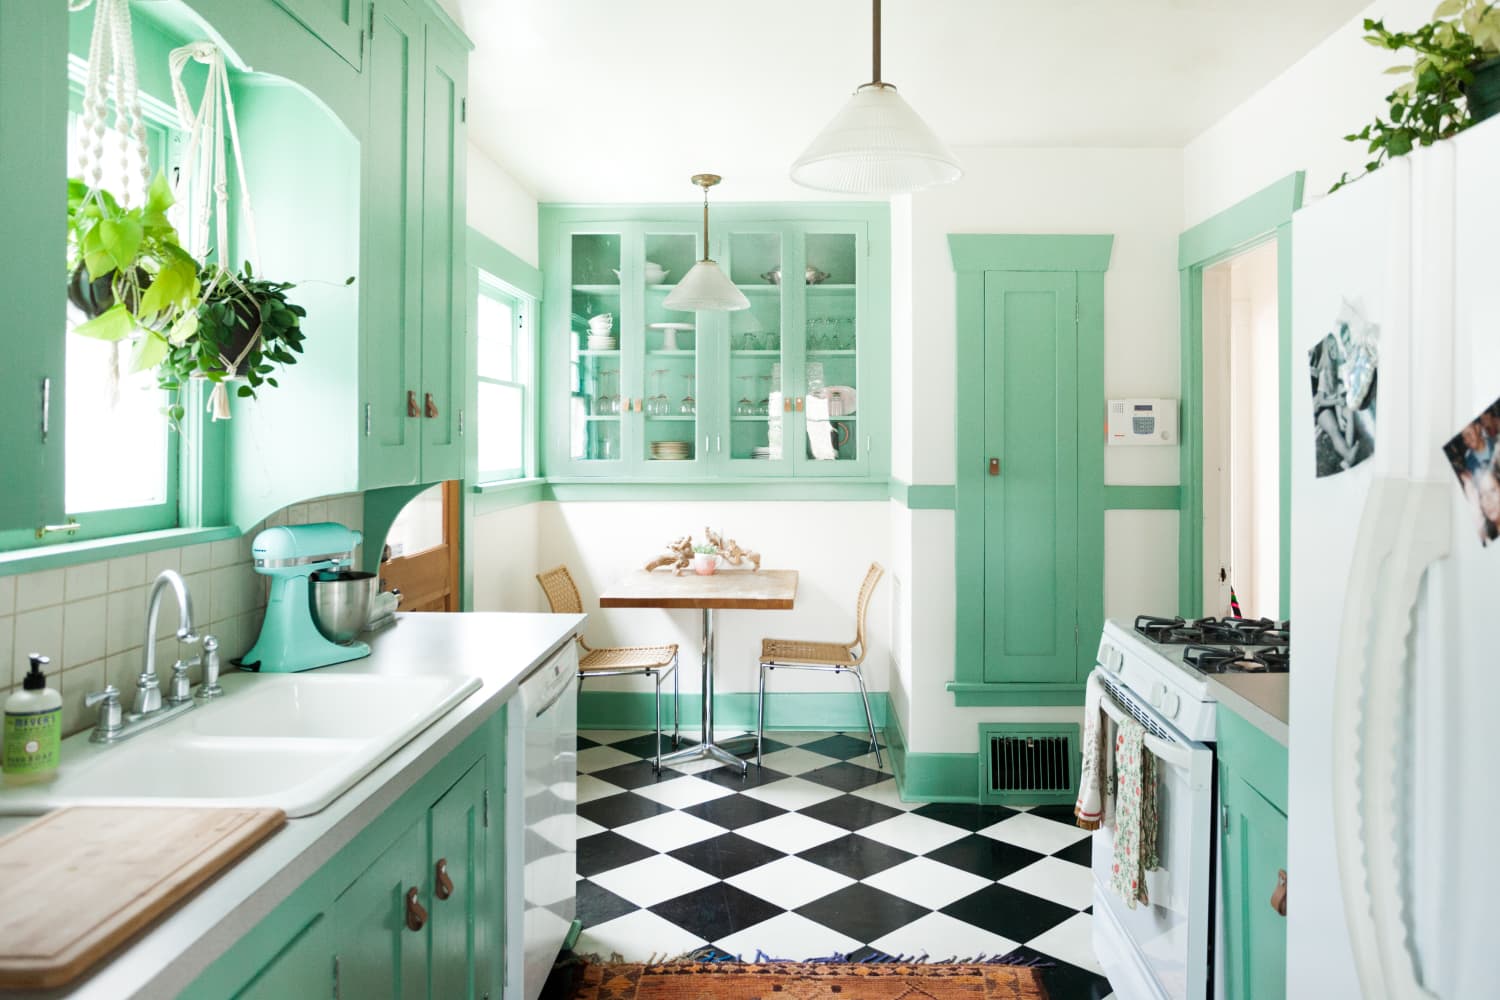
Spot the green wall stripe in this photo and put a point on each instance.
(492, 258)
(1028, 252)
(930, 777)
(1241, 225)
(1142, 497)
(785, 710)
(792, 489)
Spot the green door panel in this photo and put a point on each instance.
(392, 267)
(1031, 505)
(459, 964)
(379, 957)
(444, 238)
(304, 969)
(33, 104)
(1253, 852)
(339, 24)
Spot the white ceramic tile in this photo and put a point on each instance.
(914, 833)
(653, 880)
(927, 882)
(602, 758)
(74, 684)
(679, 793)
(126, 572)
(1072, 941)
(795, 760)
(587, 827)
(790, 882)
(7, 637)
(233, 592)
(1060, 881)
(317, 512)
(121, 670)
(277, 519)
(163, 559)
(7, 594)
(669, 831)
(886, 793)
(248, 628)
(591, 788)
(789, 936)
(195, 558)
(225, 552)
(88, 580)
(1035, 833)
(940, 937)
(791, 832)
(39, 631)
(39, 590)
(84, 631)
(296, 514)
(127, 620)
(635, 937)
(793, 793)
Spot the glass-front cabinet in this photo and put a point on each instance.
(795, 386)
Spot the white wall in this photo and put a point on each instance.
(500, 208)
(505, 551)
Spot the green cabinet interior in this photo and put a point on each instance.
(594, 262)
(1252, 853)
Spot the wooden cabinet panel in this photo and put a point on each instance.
(460, 890)
(380, 956)
(339, 24)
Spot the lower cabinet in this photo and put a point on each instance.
(301, 970)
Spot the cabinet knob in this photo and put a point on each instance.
(431, 408)
(799, 404)
(444, 883)
(994, 467)
(787, 403)
(1278, 895)
(411, 404)
(416, 916)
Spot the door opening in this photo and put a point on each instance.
(420, 558)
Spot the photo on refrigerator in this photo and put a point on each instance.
(1343, 370)
(1474, 454)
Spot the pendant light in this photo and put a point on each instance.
(705, 288)
(876, 144)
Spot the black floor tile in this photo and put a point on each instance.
(617, 810)
(850, 812)
(1062, 980)
(846, 777)
(716, 911)
(607, 851)
(968, 815)
(726, 855)
(1009, 912)
(855, 856)
(1081, 853)
(769, 745)
(734, 811)
(862, 911)
(584, 743)
(982, 856)
(645, 746)
(597, 904)
(1061, 813)
(841, 746)
(753, 777)
(637, 774)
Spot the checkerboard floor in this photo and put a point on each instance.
(815, 855)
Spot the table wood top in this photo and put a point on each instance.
(743, 590)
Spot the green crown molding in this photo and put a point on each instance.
(1142, 497)
(1241, 225)
(492, 258)
(1012, 252)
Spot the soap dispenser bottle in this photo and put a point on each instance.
(33, 729)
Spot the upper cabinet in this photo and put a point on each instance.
(796, 386)
(339, 24)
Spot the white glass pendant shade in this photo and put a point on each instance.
(877, 145)
(706, 288)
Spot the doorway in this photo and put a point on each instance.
(420, 558)
(1241, 435)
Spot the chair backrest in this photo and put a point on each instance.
(562, 593)
(866, 591)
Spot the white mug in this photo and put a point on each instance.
(602, 323)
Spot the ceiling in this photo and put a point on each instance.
(599, 100)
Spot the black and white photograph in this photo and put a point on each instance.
(1474, 454)
(1342, 369)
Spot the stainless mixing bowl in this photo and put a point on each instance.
(341, 602)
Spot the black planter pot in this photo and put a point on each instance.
(1484, 93)
(94, 298)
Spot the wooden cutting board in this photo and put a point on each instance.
(79, 882)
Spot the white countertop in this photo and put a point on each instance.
(500, 649)
(1263, 700)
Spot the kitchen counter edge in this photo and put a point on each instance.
(1262, 700)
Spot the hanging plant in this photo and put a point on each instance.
(1453, 81)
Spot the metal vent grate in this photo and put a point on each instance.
(1029, 764)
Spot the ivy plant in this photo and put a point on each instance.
(1429, 105)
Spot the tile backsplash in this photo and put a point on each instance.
(90, 619)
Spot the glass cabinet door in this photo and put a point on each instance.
(598, 399)
(672, 363)
(830, 440)
(756, 408)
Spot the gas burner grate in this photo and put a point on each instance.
(1212, 659)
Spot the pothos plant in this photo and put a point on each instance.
(1431, 105)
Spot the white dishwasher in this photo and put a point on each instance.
(541, 840)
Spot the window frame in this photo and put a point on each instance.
(523, 369)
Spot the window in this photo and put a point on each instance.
(505, 369)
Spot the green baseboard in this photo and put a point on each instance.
(785, 710)
(931, 777)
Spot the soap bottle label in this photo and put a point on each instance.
(32, 741)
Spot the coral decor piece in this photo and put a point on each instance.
(679, 554)
(731, 552)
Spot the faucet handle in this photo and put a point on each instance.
(180, 688)
(111, 715)
(210, 687)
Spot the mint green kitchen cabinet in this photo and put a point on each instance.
(377, 954)
(303, 969)
(339, 24)
(460, 889)
(1252, 855)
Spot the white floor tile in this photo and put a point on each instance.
(795, 739)
(635, 937)
(679, 793)
(1060, 881)
(868, 760)
(790, 882)
(587, 827)
(886, 794)
(653, 880)
(695, 766)
(796, 760)
(591, 788)
(793, 793)
(612, 735)
(602, 758)
(669, 831)
(1072, 941)
(940, 937)
(791, 832)
(790, 936)
(1035, 833)
(927, 882)
(914, 833)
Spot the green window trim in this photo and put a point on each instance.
(76, 553)
(1262, 217)
(500, 274)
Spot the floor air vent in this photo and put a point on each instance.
(1028, 764)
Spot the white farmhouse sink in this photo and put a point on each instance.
(294, 741)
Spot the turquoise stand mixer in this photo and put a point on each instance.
(317, 605)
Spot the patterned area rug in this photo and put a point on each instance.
(805, 981)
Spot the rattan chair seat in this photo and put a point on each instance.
(627, 657)
(833, 654)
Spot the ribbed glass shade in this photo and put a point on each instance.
(876, 144)
(708, 289)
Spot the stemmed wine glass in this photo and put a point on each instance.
(764, 409)
(658, 405)
(607, 404)
(745, 408)
(689, 404)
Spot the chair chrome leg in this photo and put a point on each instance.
(676, 722)
(869, 719)
(760, 716)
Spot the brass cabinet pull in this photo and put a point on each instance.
(432, 410)
(787, 402)
(444, 883)
(994, 467)
(416, 916)
(799, 404)
(1278, 895)
(411, 404)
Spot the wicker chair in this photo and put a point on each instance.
(830, 657)
(619, 661)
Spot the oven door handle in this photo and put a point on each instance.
(1177, 756)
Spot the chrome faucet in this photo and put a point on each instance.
(147, 686)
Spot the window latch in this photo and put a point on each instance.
(58, 529)
(46, 407)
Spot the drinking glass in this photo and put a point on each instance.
(745, 408)
(689, 405)
(764, 408)
(657, 405)
(608, 404)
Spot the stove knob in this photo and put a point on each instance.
(1171, 705)
(1157, 693)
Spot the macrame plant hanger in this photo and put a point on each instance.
(208, 185)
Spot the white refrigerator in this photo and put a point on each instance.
(1393, 879)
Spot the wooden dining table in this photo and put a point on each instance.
(726, 590)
